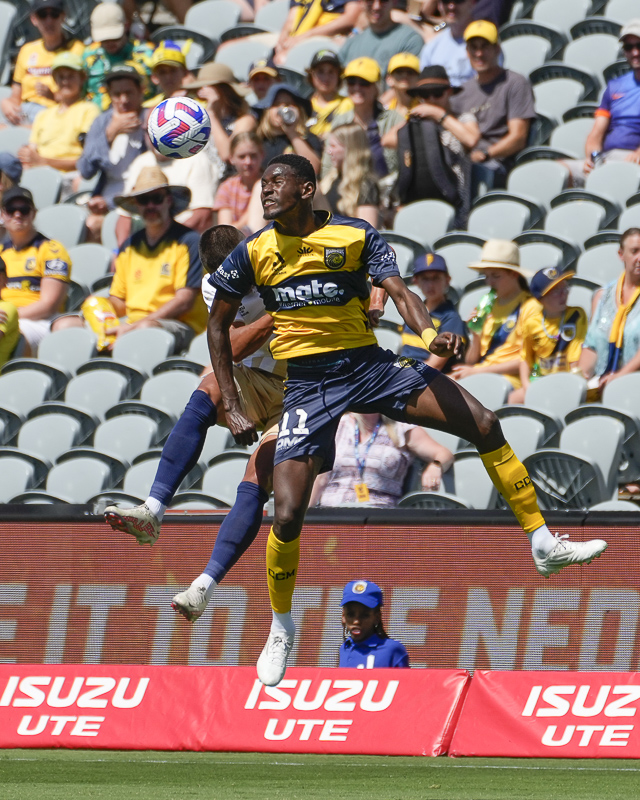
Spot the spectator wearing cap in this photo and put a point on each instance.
(58, 133)
(496, 341)
(309, 18)
(366, 643)
(114, 140)
(111, 47)
(383, 37)
(362, 76)
(552, 337)
(502, 102)
(168, 73)
(34, 270)
(402, 75)
(325, 74)
(372, 459)
(226, 105)
(263, 73)
(615, 135)
(431, 276)
(449, 48)
(284, 114)
(10, 174)
(158, 273)
(32, 86)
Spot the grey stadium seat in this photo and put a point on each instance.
(23, 390)
(472, 483)
(78, 479)
(143, 348)
(12, 139)
(17, 475)
(140, 475)
(49, 435)
(223, 476)
(212, 17)
(126, 436)
(68, 348)
(561, 16)
(630, 218)
(458, 258)
(424, 220)
(90, 262)
(299, 56)
(540, 180)
(96, 391)
(524, 53)
(575, 221)
(556, 96)
(431, 500)
(616, 505)
(64, 223)
(592, 53)
(388, 339)
(537, 255)
(599, 264)
(616, 181)
(44, 183)
(556, 394)
(489, 388)
(170, 391)
(241, 54)
(500, 219)
(621, 10)
(525, 435)
(406, 248)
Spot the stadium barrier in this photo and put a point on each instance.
(378, 712)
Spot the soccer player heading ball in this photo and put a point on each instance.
(311, 268)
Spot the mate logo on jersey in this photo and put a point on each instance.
(314, 290)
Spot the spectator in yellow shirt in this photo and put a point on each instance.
(9, 331)
(32, 88)
(58, 133)
(402, 75)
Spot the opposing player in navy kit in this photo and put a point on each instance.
(311, 271)
(366, 643)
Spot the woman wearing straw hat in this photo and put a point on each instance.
(496, 346)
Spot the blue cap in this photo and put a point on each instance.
(430, 261)
(545, 279)
(11, 167)
(366, 592)
(269, 99)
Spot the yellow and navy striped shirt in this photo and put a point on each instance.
(315, 287)
(25, 267)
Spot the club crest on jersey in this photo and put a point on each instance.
(30, 264)
(335, 257)
(404, 361)
(165, 271)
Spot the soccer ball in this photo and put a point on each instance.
(179, 127)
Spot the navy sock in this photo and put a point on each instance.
(239, 529)
(184, 445)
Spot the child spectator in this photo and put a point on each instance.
(58, 133)
(32, 87)
(350, 186)
(366, 643)
(168, 73)
(263, 73)
(325, 74)
(234, 194)
(552, 337)
(402, 75)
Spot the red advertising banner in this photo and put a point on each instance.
(382, 711)
(551, 715)
(457, 597)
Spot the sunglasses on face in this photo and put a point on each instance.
(437, 91)
(357, 82)
(54, 13)
(157, 198)
(22, 210)
(629, 47)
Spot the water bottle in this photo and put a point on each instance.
(483, 309)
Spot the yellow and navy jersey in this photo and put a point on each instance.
(553, 342)
(445, 318)
(147, 278)
(505, 322)
(25, 267)
(315, 287)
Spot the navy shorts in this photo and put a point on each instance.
(319, 389)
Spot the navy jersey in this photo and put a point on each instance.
(314, 286)
(445, 320)
(373, 652)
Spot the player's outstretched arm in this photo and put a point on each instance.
(413, 311)
(223, 312)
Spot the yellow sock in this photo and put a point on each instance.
(282, 569)
(511, 479)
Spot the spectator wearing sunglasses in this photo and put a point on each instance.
(382, 39)
(32, 87)
(615, 135)
(158, 272)
(34, 270)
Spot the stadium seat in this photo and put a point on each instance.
(556, 394)
(108, 230)
(388, 339)
(499, 219)
(561, 16)
(223, 476)
(212, 17)
(472, 483)
(554, 97)
(431, 500)
(615, 505)
(89, 263)
(524, 53)
(140, 475)
(44, 183)
(17, 475)
(65, 223)
(630, 218)
(126, 436)
(469, 301)
(8, 14)
(49, 435)
(570, 251)
(525, 435)
(214, 444)
(198, 47)
(143, 348)
(581, 296)
(596, 25)
(272, 15)
(86, 420)
(241, 54)
(600, 264)
(170, 391)
(67, 349)
(575, 221)
(592, 53)
(621, 10)
(12, 139)
(458, 258)
(195, 501)
(424, 220)
(518, 28)
(540, 181)
(552, 423)
(560, 71)
(617, 181)
(566, 141)
(407, 249)
(537, 255)
(299, 56)
(78, 479)
(489, 388)
(97, 391)
(23, 390)
(59, 377)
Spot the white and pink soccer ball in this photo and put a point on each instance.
(179, 127)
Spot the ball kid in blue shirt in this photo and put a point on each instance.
(367, 644)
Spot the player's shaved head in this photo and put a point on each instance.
(299, 165)
(216, 243)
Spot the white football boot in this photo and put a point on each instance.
(137, 521)
(566, 553)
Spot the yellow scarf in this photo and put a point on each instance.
(616, 335)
